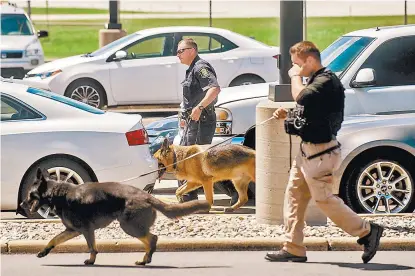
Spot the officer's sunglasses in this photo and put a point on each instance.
(179, 52)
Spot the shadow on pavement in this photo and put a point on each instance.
(369, 266)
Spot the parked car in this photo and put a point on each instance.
(376, 66)
(142, 68)
(75, 142)
(157, 128)
(379, 51)
(20, 47)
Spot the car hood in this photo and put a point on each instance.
(16, 42)
(60, 64)
(243, 92)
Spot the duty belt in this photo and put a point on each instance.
(319, 153)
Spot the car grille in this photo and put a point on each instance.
(17, 73)
(11, 54)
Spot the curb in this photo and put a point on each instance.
(58, 220)
(193, 244)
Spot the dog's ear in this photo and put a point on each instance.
(42, 174)
(39, 173)
(165, 147)
(42, 177)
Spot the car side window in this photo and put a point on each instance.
(159, 46)
(210, 43)
(12, 110)
(394, 62)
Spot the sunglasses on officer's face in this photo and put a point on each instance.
(179, 52)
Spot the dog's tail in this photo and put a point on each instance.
(180, 209)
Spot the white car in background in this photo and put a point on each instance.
(142, 68)
(20, 47)
(73, 141)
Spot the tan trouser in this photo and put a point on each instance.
(313, 178)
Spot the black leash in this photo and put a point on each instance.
(193, 155)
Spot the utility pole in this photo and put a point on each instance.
(29, 9)
(406, 13)
(114, 22)
(305, 20)
(291, 24)
(210, 13)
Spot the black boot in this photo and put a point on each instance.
(284, 256)
(371, 242)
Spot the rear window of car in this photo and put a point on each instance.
(65, 100)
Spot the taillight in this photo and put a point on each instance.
(137, 137)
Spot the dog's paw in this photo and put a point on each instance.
(42, 254)
(89, 262)
(180, 198)
(140, 263)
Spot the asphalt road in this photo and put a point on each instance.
(210, 263)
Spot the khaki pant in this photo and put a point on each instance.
(313, 178)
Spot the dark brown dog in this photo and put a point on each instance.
(85, 208)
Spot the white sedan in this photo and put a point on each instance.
(142, 68)
(73, 141)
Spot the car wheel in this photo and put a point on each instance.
(246, 80)
(59, 169)
(87, 91)
(381, 186)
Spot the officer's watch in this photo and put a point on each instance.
(201, 107)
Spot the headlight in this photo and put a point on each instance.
(47, 74)
(32, 52)
(223, 121)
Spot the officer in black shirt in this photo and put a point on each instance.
(319, 114)
(200, 92)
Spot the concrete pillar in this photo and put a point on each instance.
(109, 35)
(273, 165)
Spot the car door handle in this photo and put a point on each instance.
(168, 64)
(229, 58)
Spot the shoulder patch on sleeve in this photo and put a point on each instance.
(204, 73)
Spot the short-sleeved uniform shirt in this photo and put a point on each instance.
(200, 77)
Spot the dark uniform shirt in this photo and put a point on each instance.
(323, 101)
(200, 76)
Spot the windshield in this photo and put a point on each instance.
(114, 44)
(340, 54)
(15, 24)
(65, 100)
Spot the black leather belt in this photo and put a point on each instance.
(319, 153)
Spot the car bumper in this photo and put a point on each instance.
(141, 163)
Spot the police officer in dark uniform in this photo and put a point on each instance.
(316, 119)
(200, 92)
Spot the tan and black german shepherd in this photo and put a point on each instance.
(227, 162)
(85, 208)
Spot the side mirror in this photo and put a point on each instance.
(119, 55)
(365, 77)
(42, 33)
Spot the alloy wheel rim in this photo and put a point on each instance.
(60, 174)
(384, 187)
(86, 94)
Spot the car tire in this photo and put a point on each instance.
(96, 96)
(66, 167)
(246, 80)
(356, 196)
